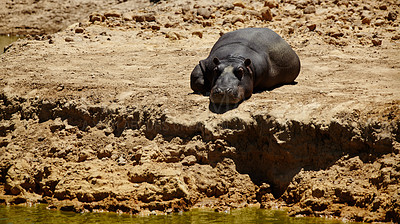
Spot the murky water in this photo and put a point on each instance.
(5, 41)
(39, 214)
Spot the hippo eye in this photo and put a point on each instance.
(239, 73)
(216, 70)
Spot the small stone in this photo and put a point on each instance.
(57, 125)
(79, 30)
(97, 17)
(197, 33)
(189, 160)
(60, 87)
(376, 42)
(149, 17)
(366, 20)
(121, 161)
(127, 16)
(309, 9)
(82, 156)
(396, 37)
(312, 26)
(392, 16)
(271, 4)
(207, 23)
(266, 14)
(239, 4)
(174, 36)
(51, 41)
(69, 39)
(112, 14)
(155, 27)
(382, 7)
(333, 32)
(379, 22)
(204, 12)
(227, 6)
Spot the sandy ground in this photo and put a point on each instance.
(100, 116)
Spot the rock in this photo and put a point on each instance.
(79, 30)
(392, 16)
(127, 16)
(233, 19)
(57, 125)
(376, 42)
(69, 39)
(112, 14)
(366, 20)
(239, 4)
(227, 6)
(396, 37)
(204, 12)
(106, 152)
(174, 36)
(189, 160)
(312, 26)
(379, 22)
(334, 32)
(309, 9)
(271, 4)
(97, 17)
(382, 7)
(148, 17)
(198, 33)
(266, 14)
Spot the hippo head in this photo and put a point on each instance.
(232, 81)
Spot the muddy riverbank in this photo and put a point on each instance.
(100, 115)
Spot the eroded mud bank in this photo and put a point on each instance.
(81, 157)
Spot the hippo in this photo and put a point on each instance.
(242, 62)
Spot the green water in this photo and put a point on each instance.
(39, 214)
(5, 41)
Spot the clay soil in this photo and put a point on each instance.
(100, 115)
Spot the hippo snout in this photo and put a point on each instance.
(225, 95)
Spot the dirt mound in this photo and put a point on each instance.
(100, 116)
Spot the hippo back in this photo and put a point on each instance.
(273, 61)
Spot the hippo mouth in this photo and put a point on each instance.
(226, 96)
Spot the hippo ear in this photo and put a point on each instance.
(216, 61)
(247, 62)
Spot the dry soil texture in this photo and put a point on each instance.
(100, 115)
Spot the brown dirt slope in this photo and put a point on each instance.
(100, 116)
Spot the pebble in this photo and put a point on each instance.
(79, 30)
(266, 14)
(204, 12)
(112, 14)
(382, 7)
(376, 42)
(312, 26)
(396, 37)
(197, 33)
(271, 4)
(148, 17)
(239, 4)
(309, 9)
(127, 16)
(189, 160)
(379, 22)
(69, 39)
(366, 20)
(392, 16)
(97, 17)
